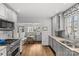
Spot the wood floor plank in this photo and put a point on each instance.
(36, 50)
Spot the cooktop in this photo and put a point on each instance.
(8, 42)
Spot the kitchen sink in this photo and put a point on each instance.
(73, 46)
(67, 42)
(70, 44)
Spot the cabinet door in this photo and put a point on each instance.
(68, 52)
(8, 14)
(61, 50)
(57, 49)
(75, 53)
(3, 52)
(49, 41)
(2, 11)
(55, 46)
(61, 21)
(14, 16)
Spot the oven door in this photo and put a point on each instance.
(15, 52)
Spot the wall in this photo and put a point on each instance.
(42, 21)
(6, 34)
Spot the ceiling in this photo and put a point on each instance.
(39, 9)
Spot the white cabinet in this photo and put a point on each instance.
(50, 42)
(2, 11)
(8, 14)
(75, 53)
(54, 24)
(3, 52)
(60, 49)
(14, 17)
(54, 45)
(11, 15)
(58, 22)
(62, 21)
(68, 52)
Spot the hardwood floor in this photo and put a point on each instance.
(36, 49)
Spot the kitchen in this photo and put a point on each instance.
(54, 28)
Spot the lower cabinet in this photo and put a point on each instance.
(3, 52)
(54, 45)
(68, 52)
(50, 42)
(60, 49)
(75, 53)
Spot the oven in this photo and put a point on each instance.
(14, 49)
(15, 52)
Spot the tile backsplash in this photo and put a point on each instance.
(6, 34)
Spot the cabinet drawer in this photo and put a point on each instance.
(3, 52)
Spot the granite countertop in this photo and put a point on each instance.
(58, 39)
(2, 47)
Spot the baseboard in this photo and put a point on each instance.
(33, 42)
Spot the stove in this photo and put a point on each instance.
(10, 41)
(13, 47)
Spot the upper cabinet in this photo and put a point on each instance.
(7, 13)
(14, 16)
(11, 15)
(2, 11)
(61, 21)
(58, 22)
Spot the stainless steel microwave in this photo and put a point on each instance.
(6, 25)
